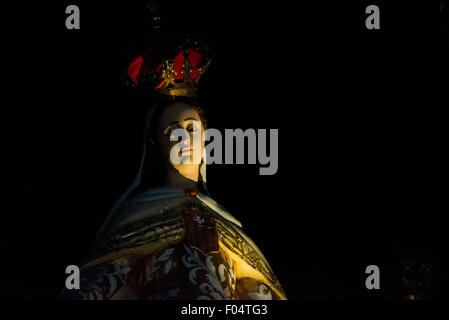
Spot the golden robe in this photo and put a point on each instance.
(169, 244)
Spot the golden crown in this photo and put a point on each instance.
(174, 76)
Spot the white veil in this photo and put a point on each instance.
(138, 179)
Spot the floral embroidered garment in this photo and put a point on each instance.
(167, 244)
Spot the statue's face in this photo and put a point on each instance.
(181, 116)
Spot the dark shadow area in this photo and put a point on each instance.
(363, 139)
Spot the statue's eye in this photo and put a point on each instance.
(169, 130)
(191, 128)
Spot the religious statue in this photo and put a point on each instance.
(166, 238)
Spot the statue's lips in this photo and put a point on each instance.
(186, 150)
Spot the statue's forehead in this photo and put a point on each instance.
(178, 111)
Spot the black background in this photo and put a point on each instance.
(363, 137)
